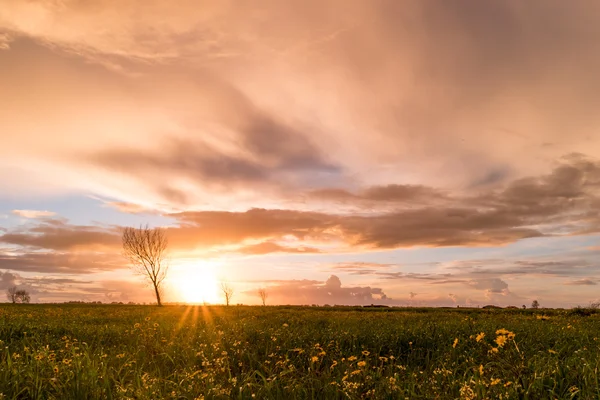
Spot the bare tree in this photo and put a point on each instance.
(227, 292)
(23, 296)
(17, 296)
(535, 304)
(11, 294)
(262, 292)
(146, 249)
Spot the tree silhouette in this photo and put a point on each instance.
(146, 249)
(535, 304)
(11, 294)
(227, 292)
(23, 296)
(15, 295)
(262, 292)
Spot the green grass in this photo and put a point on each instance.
(144, 352)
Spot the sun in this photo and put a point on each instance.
(197, 282)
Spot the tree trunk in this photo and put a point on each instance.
(157, 295)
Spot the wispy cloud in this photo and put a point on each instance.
(33, 213)
(583, 282)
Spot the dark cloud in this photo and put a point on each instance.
(492, 285)
(267, 154)
(58, 235)
(8, 279)
(561, 202)
(393, 193)
(499, 267)
(65, 263)
(583, 282)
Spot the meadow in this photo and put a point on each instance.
(217, 352)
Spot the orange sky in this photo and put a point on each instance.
(442, 152)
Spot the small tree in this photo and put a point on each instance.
(535, 305)
(227, 292)
(23, 296)
(11, 294)
(262, 292)
(146, 249)
(15, 295)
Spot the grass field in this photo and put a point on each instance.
(145, 352)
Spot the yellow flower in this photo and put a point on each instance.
(455, 343)
(500, 340)
(314, 359)
(365, 353)
(480, 369)
(147, 319)
(496, 381)
(285, 325)
(361, 364)
(56, 370)
(156, 324)
(480, 336)
(502, 332)
(137, 325)
(352, 358)
(355, 372)
(494, 350)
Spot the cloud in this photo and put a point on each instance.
(61, 263)
(269, 155)
(561, 202)
(8, 279)
(55, 234)
(33, 213)
(582, 282)
(271, 247)
(347, 126)
(5, 40)
(190, 102)
(329, 292)
(393, 193)
(360, 268)
(492, 285)
(129, 208)
(521, 267)
(558, 203)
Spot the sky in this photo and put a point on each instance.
(409, 153)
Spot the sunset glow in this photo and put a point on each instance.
(408, 153)
(197, 283)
